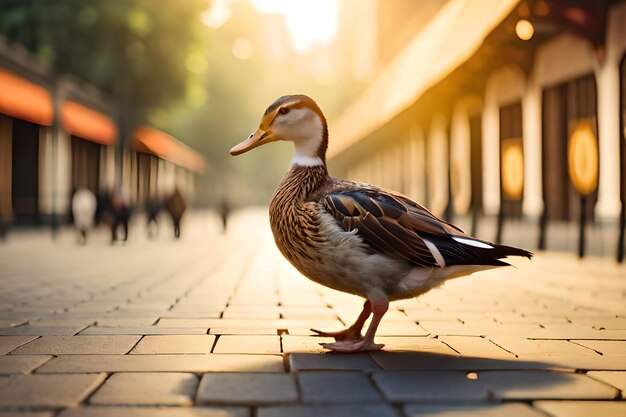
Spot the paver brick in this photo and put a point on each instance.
(606, 347)
(248, 331)
(155, 412)
(560, 353)
(18, 413)
(337, 387)
(146, 330)
(164, 363)
(616, 379)
(402, 361)
(126, 321)
(574, 331)
(19, 364)
(66, 345)
(476, 347)
(244, 313)
(30, 330)
(331, 361)
(414, 343)
(338, 410)
(192, 312)
(291, 324)
(248, 344)
(65, 323)
(472, 410)
(545, 385)
(9, 343)
(523, 347)
(299, 312)
(174, 344)
(246, 388)
(404, 328)
(304, 344)
(582, 408)
(183, 323)
(486, 328)
(429, 386)
(50, 391)
(147, 389)
(8, 322)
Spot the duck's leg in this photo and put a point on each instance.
(353, 332)
(379, 307)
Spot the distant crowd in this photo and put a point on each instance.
(115, 210)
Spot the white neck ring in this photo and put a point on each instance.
(307, 161)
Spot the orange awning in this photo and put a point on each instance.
(150, 140)
(24, 99)
(86, 123)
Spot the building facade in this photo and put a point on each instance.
(41, 166)
(505, 116)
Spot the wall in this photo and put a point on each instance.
(6, 161)
(55, 172)
(415, 165)
(107, 169)
(460, 152)
(504, 86)
(437, 164)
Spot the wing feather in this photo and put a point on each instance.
(379, 227)
(396, 226)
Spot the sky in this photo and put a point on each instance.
(309, 22)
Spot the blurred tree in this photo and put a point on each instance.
(139, 51)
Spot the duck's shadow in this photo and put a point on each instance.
(409, 360)
(414, 376)
(402, 360)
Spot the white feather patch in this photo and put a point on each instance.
(471, 242)
(307, 161)
(436, 254)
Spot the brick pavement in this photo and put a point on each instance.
(218, 325)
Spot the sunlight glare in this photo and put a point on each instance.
(309, 22)
(216, 15)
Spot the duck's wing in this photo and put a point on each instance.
(396, 226)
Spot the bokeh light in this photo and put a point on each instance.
(243, 49)
(524, 30)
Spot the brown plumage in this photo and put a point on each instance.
(295, 226)
(354, 237)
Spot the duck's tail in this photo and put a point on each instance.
(502, 251)
(467, 250)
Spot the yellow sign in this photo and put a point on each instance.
(512, 169)
(582, 156)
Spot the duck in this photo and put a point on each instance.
(358, 238)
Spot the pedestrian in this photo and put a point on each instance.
(153, 208)
(84, 206)
(224, 211)
(176, 207)
(120, 211)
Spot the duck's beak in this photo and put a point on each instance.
(258, 138)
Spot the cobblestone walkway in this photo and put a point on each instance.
(218, 325)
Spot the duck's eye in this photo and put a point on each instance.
(283, 110)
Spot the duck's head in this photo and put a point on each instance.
(295, 118)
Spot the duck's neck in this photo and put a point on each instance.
(311, 144)
(307, 161)
(300, 182)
